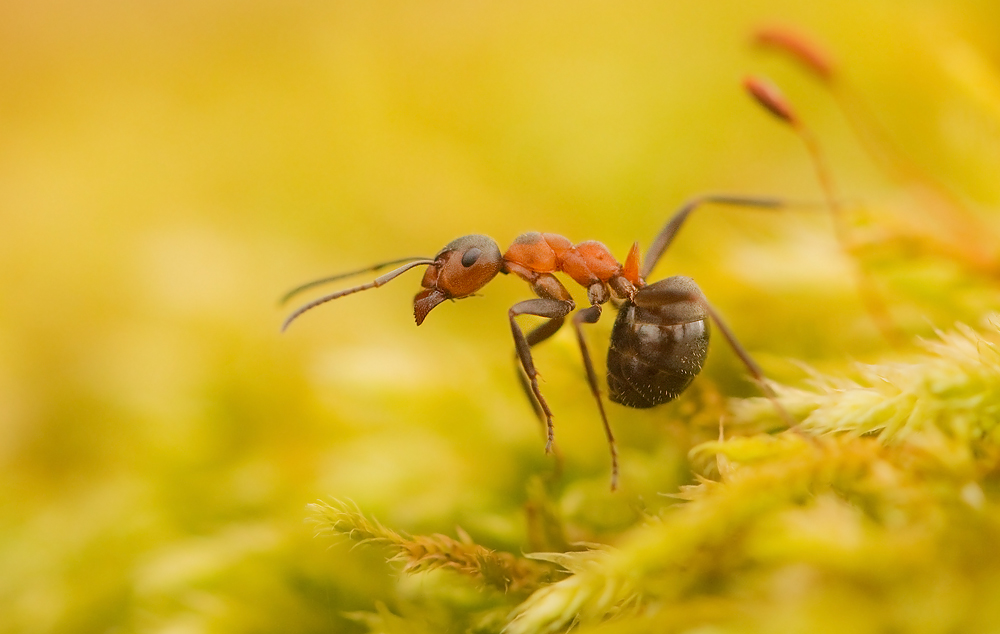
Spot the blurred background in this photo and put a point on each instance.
(169, 169)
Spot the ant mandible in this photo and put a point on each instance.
(659, 340)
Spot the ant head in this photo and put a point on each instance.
(461, 268)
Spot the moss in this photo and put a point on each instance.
(884, 500)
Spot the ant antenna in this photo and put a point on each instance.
(333, 278)
(379, 281)
(767, 95)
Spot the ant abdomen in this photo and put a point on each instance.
(658, 343)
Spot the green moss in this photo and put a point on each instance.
(884, 507)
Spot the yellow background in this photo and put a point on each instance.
(169, 169)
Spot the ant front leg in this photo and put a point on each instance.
(554, 304)
(591, 316)
(535, 337)
(553, 309)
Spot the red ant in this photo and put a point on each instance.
(659, 340)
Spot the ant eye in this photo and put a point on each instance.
(469, 257)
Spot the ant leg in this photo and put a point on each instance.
(535, 337)
(748, 361)
(553, 309)
(681, 291)
(870, 298)
(669, 231)
(590, 316)
(543, 332)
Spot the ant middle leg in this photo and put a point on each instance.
(591, 316)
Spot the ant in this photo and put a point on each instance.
(659, 341)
